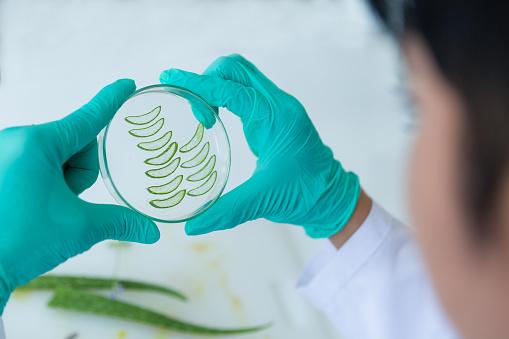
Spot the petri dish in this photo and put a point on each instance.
(165, 154)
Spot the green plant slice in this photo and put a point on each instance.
(164, 157)
(204, 171)
(198, 158)
(164, 171)
(205, 187)
(168, 187)
(80, 301)
(144, 118)
(50, 282)
(156, 144)
(147, 131)
(174, 200)
(195, 140)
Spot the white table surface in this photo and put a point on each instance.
(55, 55)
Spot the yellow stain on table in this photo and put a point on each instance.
(161, 334)
(234, 299)
(119, 244)
(202, 247)
(217, 266)
(194, 286)
(21, 295)
(237, 303)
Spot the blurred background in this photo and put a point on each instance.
(331, 55)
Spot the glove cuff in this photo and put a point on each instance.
(336, 206)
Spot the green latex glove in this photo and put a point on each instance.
(43, 169)
(297, 180)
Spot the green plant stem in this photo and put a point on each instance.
(76, 300)
(50, 282)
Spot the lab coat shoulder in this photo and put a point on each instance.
(376, 285)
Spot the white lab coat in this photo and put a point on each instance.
(375, 286)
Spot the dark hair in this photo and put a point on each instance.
(469, 40)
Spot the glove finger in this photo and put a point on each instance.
(246, 202)
(237, 98)
(202, 114)
(237, 68)
(81, 127)
(82, 169)
(120, 223)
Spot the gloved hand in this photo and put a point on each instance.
(297, 180)
(43, 169)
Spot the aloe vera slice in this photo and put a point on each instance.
(174, 200)
(195, 140)
(80, 301)
(164, 171)
(205, 187)
(147, 131)
(199, 158)
(156, 144)
(168, 187)
(144, 118)
(50, 282)
(205, 171)
(164, 157)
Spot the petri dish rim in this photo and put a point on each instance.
(108, 180)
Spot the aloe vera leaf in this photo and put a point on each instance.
(205, 187)
(147, 131)
(198, 158)
(168, 187)
(156, 144)
(164, 157)
(164, 171)
(204, 171)
(144, 118)
(195, 140)
(80, 301)
(50, 282)
(174, 200)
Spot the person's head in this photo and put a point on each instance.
(457, 54)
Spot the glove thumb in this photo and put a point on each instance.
(244, 203)
(120, 223)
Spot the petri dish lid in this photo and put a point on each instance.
(165, 154)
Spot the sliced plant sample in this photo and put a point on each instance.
(198, 158)
(174, 200)
(148, 131)
(50, 282)
(205, 187)
(156, 144)
(164, 171)
(144, 118)
(164, 157)
(76, 300)
(204, 171)
(195, 140)
(166, 188)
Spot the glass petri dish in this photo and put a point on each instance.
(165, 154)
